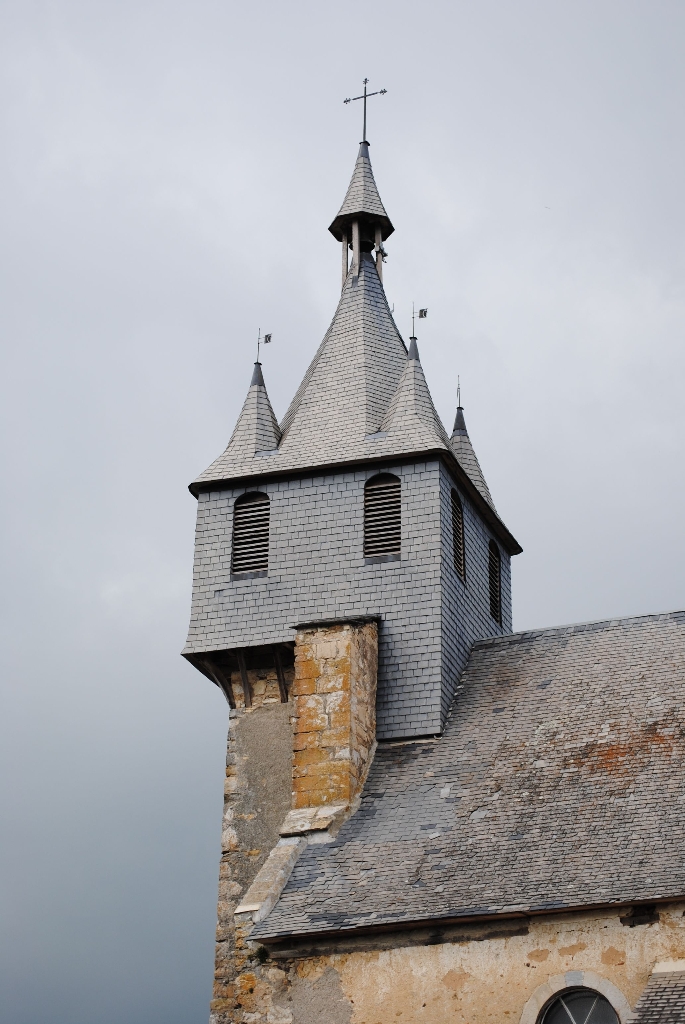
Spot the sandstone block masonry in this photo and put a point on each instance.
(334, 712)
(294, 772)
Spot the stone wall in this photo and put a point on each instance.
(257, 797)
(481, 974)
(334, 712)
(293, 772)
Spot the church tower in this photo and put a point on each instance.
(346, 560)
(426, 817)
(358, 506)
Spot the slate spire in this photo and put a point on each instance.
(460, 443)
(257, 428)
(411, 412)
(362, 202)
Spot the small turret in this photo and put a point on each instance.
(362, 223)
(257, 428)
(460, 443)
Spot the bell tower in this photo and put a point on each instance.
(346, 559)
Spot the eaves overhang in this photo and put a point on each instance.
(487, 513)
(338, 939)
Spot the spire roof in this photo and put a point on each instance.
(460, 443)
(362, 199)
(411, 413)
(363, 399)
(257, 429)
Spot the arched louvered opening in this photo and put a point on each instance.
(495, 581)
(382, 516)
(250, 552)
(458, 546)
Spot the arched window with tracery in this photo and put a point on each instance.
(579, 1006)
(458, 545)
(250, 549)
(382, 516)
(495, 582)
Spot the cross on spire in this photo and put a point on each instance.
(364, 96)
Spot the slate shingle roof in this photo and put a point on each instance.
(362, 198)
(257, 428)
(360, 400)
(411, 412)
(663, 1000)
(557, 783)
(466, 457)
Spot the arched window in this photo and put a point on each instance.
(458, 547)
(382, 516)
(579, 1006)
(250, 552)
(495, 582)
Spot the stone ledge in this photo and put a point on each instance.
(270, 880)
(313, 819)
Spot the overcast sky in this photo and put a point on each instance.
(169, 171)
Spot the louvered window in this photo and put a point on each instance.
(382, 516)
(250, 534)
(495, 581)
(458, 535)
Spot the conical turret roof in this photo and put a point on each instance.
(411, 413)
(362, 199)
(257, 428)
(466, 456)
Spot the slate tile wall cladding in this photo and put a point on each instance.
(466, 603)
(317, 571)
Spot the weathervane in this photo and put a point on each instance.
(364, 96)
(266, 340)
(421, 313)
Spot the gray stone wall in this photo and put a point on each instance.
(317, 571)
(257, 797)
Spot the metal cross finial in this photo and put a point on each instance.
(364, 96)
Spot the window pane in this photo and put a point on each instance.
(580, 1006)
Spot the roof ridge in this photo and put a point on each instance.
(576, 627)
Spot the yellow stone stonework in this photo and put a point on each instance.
(334, 712)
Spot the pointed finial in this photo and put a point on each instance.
(257, 377)
(458, 392)
(413, 352)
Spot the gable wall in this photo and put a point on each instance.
(317, 571)
(466, 604)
